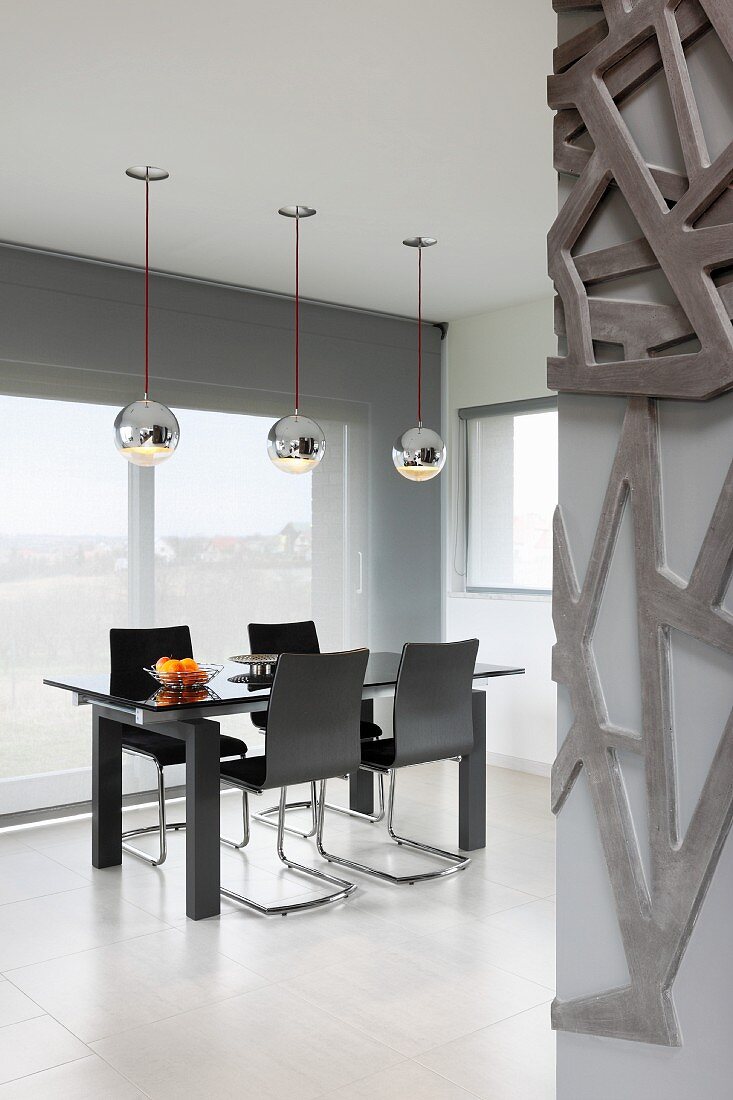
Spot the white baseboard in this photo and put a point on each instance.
(21, 793)
(518, 764)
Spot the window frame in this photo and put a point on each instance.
(480, 412)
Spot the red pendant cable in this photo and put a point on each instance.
(147, 275)
(297, 312)
(419, 337)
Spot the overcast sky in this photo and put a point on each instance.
(63, 476)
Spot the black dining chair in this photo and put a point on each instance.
(302, 637)
(432, 721)
(130, 651)
(312, 735)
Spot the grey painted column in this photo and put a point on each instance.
(202, 817)
(472, 782)
(106, 791)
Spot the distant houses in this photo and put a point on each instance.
(292, 544)
(37, 556)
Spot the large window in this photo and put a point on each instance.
(233, 535)
(63, 573)
(511, 492)
(215, 538)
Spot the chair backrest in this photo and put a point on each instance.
(313, 720)
(432, 706)
(284, 637)
(131, 650)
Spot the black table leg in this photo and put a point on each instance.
(361, 783)
(202, 818)
(472, 783)
(106, 791)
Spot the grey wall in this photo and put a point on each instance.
(73, 329)
(695, 454)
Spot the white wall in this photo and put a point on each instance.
(493, 357)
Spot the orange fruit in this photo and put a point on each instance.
(160, 662)
(171, 666)
(165, 697)
(189, 665)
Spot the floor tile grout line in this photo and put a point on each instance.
(268, 982)
(460, 1038)
(407, 1060)
(473, 1095)
(45, 1014)
(86, 950)
(58, 1065)
(46, 852)
(410, 1057)
(340, 1020)
(51, 894)
(301, 974)
(514, 908)
(91, 1056)
(496, 966)
(169, 1016)
(331, 1092)
(81, 950)
(51, 1016)
(124, 1076)
(246, 993)
(536, 897)
(101, 947)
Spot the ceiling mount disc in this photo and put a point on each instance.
(296, 211)
(147, 172)
(419, 242)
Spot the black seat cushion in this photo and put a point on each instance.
(368, 729)
(169, 750)
(250, 771)
(301, 637)
(381, 753)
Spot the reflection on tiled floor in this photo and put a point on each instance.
(435, 991)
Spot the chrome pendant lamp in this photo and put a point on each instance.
(146, 432)
(419, 453)
(296, 444)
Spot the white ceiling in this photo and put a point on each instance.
(392, 117)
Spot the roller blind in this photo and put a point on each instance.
(511, 495)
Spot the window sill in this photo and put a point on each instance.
(532, 597)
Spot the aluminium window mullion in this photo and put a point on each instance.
(141, 546)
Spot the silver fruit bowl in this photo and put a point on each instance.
(185, 679)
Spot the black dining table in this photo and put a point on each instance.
(131, 700)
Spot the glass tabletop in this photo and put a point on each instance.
(138, 688)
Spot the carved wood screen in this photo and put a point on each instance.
(682, 351)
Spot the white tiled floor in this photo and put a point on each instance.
(432, 992)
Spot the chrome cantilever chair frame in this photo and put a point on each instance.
(298, 637)
(343, 890)
(312, 734)
(312, 805)
(164, 826)
(459, 861)
(432, 721)
(130, 651)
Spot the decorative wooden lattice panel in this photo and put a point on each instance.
(686, 226)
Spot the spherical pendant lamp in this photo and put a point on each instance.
(146, 432)
(296, 444)
(419, 453)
